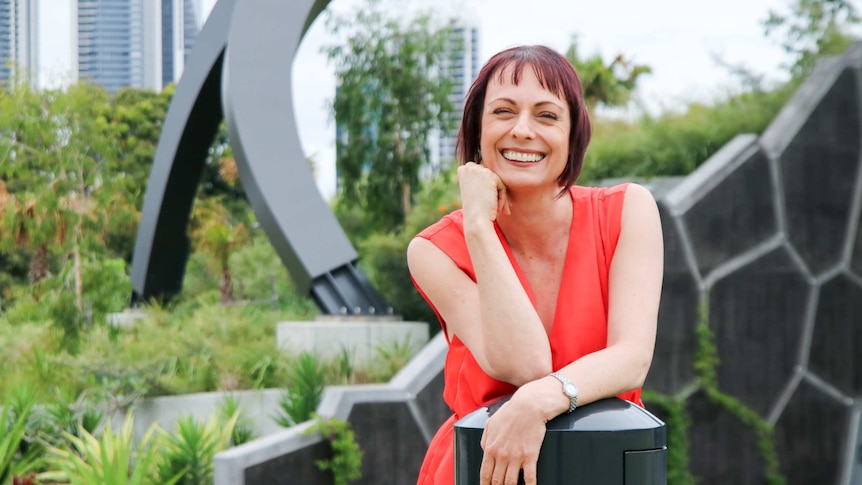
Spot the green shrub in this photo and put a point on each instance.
(346, 461)
(16, 460)
(677, 143)
(188, 452)
(242, 429)
(305, 389)
(109, 459)
(391, 357)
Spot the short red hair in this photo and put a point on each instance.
(556, 74)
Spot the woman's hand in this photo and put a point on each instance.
(511, 441)
(483, 194)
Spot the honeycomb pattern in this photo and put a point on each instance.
(766, 233)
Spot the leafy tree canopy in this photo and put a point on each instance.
(810, 29)
(392, 94)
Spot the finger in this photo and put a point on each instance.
(530, 473)
(499, 475)
(513, 472)
(487, 470)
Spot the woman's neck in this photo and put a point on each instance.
(535, 218)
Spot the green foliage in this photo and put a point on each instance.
(242, 429)
(391, 357)
(677, 422)
(169, 351)
(304, 390)
(383, 255)
(610, 84)
(109, 459)
(346, 462)
(677, 143)
(808, 30)
(189, 451)
(69, 414)
(705, 366)
(15, 459)
(136, 117)
(391, 94)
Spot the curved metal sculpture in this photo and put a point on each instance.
(240, 71)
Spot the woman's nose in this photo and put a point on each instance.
(522, 127)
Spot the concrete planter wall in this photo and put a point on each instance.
(259, 406)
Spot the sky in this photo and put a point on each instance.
(680, 40)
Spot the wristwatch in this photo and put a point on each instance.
(569, 389)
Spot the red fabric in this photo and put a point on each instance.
(580, 322)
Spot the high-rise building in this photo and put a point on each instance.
(181, 22)
(461, 68)
(19, 39)
(134, 43)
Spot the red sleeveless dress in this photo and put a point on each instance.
(580, 323)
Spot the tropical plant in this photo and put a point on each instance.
(109, 459)
(609, 84)
(215, 233)
(188, 452)
(16, 461)
(242, 429)
(305, 387)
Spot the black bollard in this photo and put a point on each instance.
(607, 442)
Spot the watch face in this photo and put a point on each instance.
(571, 389)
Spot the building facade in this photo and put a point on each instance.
(134, 43)
(19, 40)
(461, 70)
(181, 22)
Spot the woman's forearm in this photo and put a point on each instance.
(514, 345)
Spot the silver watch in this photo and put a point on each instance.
(569, 389)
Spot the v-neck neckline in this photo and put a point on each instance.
(523, 277)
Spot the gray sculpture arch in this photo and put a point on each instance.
(240, 71)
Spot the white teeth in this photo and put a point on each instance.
(522, 157)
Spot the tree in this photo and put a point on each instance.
(136, 116)
(811, 29)
(391, 95)
(214, 233)
(610, 84)
(56, 146)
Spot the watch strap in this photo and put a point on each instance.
(573, 399)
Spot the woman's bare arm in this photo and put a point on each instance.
(494, 318)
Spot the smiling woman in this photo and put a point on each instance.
(545, 290)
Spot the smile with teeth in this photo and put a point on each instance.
(522, 157)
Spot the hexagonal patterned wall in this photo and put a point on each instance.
(764, 250)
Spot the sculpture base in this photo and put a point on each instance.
(329, 336)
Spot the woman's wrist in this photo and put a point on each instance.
(545, 396)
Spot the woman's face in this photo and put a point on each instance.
(525, 132)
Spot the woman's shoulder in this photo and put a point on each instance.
(616, 191)
(600, 193)
(448, 225)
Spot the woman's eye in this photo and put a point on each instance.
(550, 116)
(501, 111)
